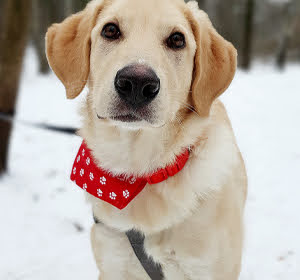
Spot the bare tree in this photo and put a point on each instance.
(41, 20)
(1, 18)
(13, 41)
(69, 7)
(291, 9)
(248, 35)
(226, 16)
(201, 4)
(80, 4)
(74, 6)
(44, 14)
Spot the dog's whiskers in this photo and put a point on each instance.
(188, 106)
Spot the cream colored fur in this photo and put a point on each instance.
(193, 222)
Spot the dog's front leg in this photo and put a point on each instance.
(114, 255)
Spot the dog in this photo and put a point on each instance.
(154, 71)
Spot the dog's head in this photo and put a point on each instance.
(144, 62)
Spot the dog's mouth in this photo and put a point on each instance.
(126, 118)
(129, 118)
(122, 113)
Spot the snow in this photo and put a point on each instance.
(264, 107)
(280, 1)
(46, 220)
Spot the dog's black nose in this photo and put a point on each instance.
(137, 85)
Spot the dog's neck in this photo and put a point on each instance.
(139, 152)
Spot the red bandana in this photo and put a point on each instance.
(118, 191)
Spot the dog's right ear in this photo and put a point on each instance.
(68, 47)
(215, 61)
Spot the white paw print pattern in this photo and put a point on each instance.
(81, 172)
(126, 194)
(103, 180)
(112, 196)
(91, 176)
(121, 178)
(83, 152)
(132, 180)
(74, 170)
(99, 192)
(84, 187)
(88, 161)
(78, 158)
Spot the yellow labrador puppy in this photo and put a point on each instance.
(154, 70)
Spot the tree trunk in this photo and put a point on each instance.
(13, 42)
(74, 6)
(291, 9)
(1, 19)
(80, 4)
(248, 35)
(43, 16)
(201, 4)
(282, 53)
(69, 7)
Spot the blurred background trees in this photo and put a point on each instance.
(45, 13)
(259, 29)
(13, 35)
(23, 22)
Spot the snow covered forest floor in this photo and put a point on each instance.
(45, 220)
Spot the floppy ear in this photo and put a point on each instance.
(215, 61)
(68, 47)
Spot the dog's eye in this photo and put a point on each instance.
(176, 41)
(111, 31)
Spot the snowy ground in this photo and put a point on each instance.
(45, 220)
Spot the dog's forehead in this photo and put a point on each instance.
(160, 12)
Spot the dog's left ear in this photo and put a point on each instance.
(68, 47)
(215, 61)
